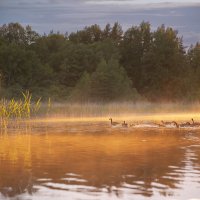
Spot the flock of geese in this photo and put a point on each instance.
(166, 124)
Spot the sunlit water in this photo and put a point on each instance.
(92, 161)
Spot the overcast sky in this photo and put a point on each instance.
(71, 15)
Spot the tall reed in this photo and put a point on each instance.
(15, 110)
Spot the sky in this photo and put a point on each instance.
(73, 15)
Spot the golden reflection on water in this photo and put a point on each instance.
(91, 160)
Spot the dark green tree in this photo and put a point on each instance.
(164, 67)
(110, 83)
(82, 90)
(193, 75)
(106, 34)
(87, 35)
(15, 33)
(116, 33)
(155, 63)
(136, 43)
(21, 69)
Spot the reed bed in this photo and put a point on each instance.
(17, 110)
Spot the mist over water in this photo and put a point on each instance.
(92, 160)
(123, 111)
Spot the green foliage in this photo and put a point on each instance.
(135, 45)
(81, 92)
(108, 83)
(15, 33)
(99, 64)
(94, 33)
(164, 66)
(193, 59)
(22, 67)
(88, 35)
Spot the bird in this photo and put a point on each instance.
(176, 124)
(134, 124)
(124, 124)
(166, 123)
(169, 124)
(185, 125)
(195, 123)
(113, 123)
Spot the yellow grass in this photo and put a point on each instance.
(13, 110)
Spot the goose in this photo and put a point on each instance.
(134, 124)
(168, 124)
(185, 125)
(113, 123)
(195, 123)
(176, 124)
(124, 124)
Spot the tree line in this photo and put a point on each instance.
(99, 65)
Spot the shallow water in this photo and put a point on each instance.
(91, 160)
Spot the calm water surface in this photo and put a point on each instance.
(92, 161)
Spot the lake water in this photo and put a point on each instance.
(93, 161)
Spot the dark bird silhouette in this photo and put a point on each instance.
(176, 124)
(124, 124)
(185, 125)
(113, 123)
(195, 123)
(169, 124)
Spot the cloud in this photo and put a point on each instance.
(147, 3)
(73, 15)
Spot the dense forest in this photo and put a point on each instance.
(99, 65)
